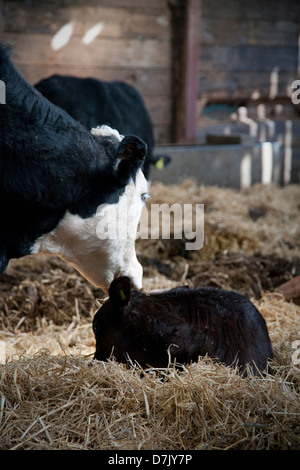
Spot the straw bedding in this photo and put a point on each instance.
(52, 395)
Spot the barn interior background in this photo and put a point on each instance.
(217, 79)
(204, 72)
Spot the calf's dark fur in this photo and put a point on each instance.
(182, 323)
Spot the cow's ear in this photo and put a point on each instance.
(120, 292)
(130, 155)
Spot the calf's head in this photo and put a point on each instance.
(107, 322)
(101, 245)
(124, 327)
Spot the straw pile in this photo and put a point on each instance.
(52, 395)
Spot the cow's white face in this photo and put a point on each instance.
(101, 256)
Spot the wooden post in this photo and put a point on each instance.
(191, 68)
(186, 24)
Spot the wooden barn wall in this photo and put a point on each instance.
(249, 49)
(132, 44)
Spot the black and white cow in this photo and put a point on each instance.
(55, 175)
(181, 323)
(93, 102)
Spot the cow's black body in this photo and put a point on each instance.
(50, 164)
(94, 102)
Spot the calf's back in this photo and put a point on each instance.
(183, 323)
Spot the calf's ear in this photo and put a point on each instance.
(120, 291)
(130, 155)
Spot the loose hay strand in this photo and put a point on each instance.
(53, 396)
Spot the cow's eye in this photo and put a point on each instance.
(144, 197)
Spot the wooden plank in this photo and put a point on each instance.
(133, 6)
(248, 58)
(222, 31)
(271, 10)
(230, 32)
(162, 134)
(244, 85)
(159, 109)
(148, 81)
(115, 22)
(233, 9)
(36, 49)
